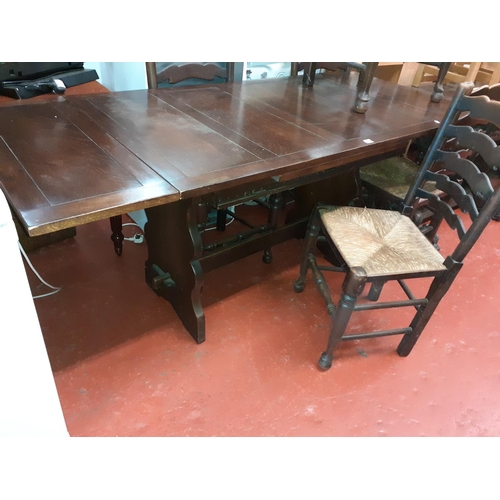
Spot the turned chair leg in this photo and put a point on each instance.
(437, 291)
(117, 235)
(364, 83)
(310, 239)
(438, 91)
(309, 74)
(376, 290)
(353, 286)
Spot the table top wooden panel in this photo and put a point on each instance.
(69, 160)
(173, 144)
(271, 132)
(327, 105)
(58, 142)
(59, 169)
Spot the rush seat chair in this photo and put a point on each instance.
(387, 181)
(375, 246)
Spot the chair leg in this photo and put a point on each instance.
(376, 290)
(276, 202)
(310, 239)
(117, 235)
(363, 87)
(438, 92)
(353, 286)
(309, 74)
(437, 290)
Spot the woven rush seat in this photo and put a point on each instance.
(394, 176)
(383, 242)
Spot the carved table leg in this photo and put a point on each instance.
(364, 82)
(173, 269)
(117, 235)
(438, 92)
(221, 220)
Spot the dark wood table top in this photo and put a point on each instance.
(68, 160)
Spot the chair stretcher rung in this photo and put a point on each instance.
(406, 289)
(381, 333)
(387, 305)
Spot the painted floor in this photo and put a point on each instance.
(125, 366)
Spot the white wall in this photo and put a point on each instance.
(117, 76)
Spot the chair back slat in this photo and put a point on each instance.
(480, 142)
(493, 92)
(464, 200)
(445, 211)
(478, 181)
(176, 74)
(481, 108)
(180, 72)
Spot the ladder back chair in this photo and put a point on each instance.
(172, 73)
(387, 181)
(375, 246)
(178, 73)
(482, 73)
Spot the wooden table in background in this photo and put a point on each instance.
(68, 160)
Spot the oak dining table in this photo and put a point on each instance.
(73, 159)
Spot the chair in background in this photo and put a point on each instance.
(485, 73)
(375, 246)
(172, 73)
(169, 74)
(388, 181)
(366, 74)
(433, 71)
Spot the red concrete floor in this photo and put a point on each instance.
(125, 366)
